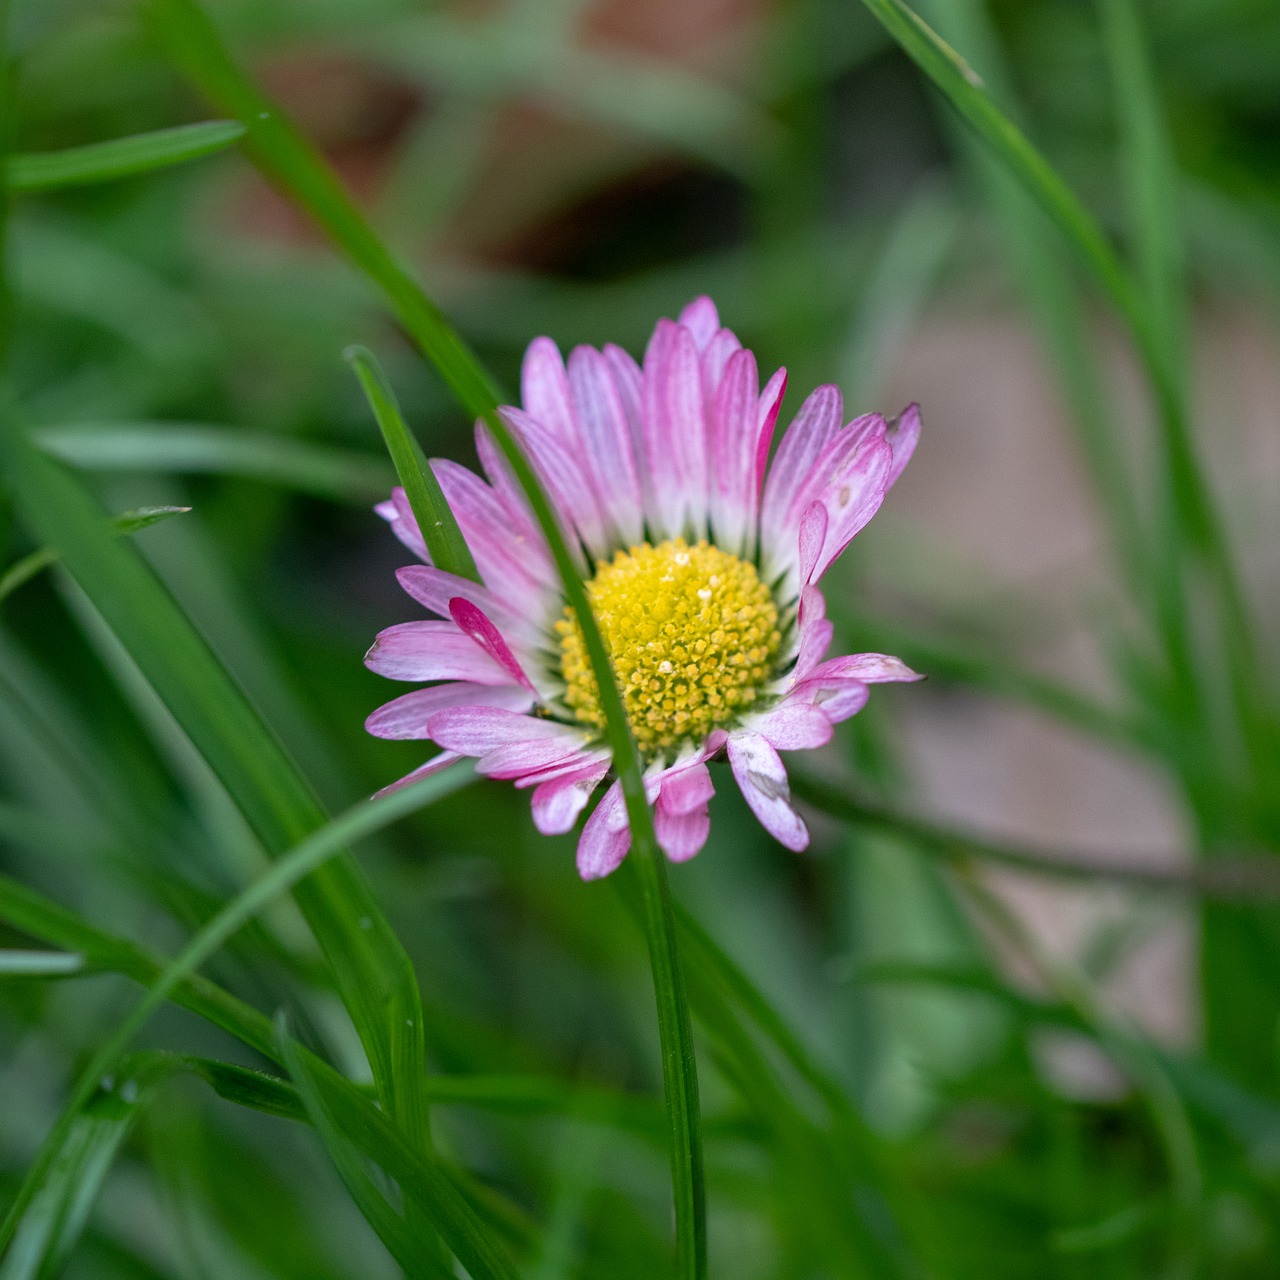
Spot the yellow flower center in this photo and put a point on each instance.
(691, 631)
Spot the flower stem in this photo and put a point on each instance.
(679, 1066)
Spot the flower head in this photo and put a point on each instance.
(701, 560)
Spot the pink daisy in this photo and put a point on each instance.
(702, 561)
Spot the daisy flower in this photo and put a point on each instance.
(702, 561)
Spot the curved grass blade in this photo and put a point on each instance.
(325, 471)
(290, 162)
(345, 1119)
(126, 523)
(436, 522)
(308, 857)
(374, 975)
(121, 157)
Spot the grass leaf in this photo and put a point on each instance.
(128, 522)
(436, 522)
(121, 157)
(195, 448)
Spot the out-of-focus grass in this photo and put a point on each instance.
(148, 306)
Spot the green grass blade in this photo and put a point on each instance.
(345, 1118)
(21, 572)
(305, 860)
(58, 1211)
(40, 964)
(417, 1252)
(325, 471)
(375, 977)
(121, 157)
(289, 161)
(436, 523)
(1149, 172)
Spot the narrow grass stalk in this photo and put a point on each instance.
(1131, 1052)
(119, 158)
(297, 169)
(362, 820)
(436, 523)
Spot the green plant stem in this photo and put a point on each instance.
(296, 168)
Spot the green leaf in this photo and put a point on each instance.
(128, 522)
(195, 448)
(436, 523)
(121, 157)
(344, 1118)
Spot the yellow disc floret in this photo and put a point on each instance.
(692, 633)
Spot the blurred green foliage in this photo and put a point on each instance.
(875, 1088)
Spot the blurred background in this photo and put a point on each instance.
(578, 169)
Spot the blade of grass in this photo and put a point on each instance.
(374, 975)
(436, 522)
(1149, 174)
(119, 158)
(289, 161)
(45, 964)
(309, 856)
(22, 571)
(58, 1211)
(344, 1119)
(194, 448)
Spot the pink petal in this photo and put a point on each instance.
(606, 443)
(473, 622)
(406, 717)
(674, 432)
(770, 403)
(853, 498)
(808, 435)
(518, 759)
(685, 789)
(731, 444)
(903, 435)
(398, 514)
(433, 589)
(431, 651)
(760, 774)
(715, 358)
(475, 731)
(513, 561)
(437, 764)
(813, 534)
(838, 699)
(560, 467)
(681, 835)
(544, 390)
(557, 802)
(793, 725)
(606, 837)
(871, 668)
(701, 319)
